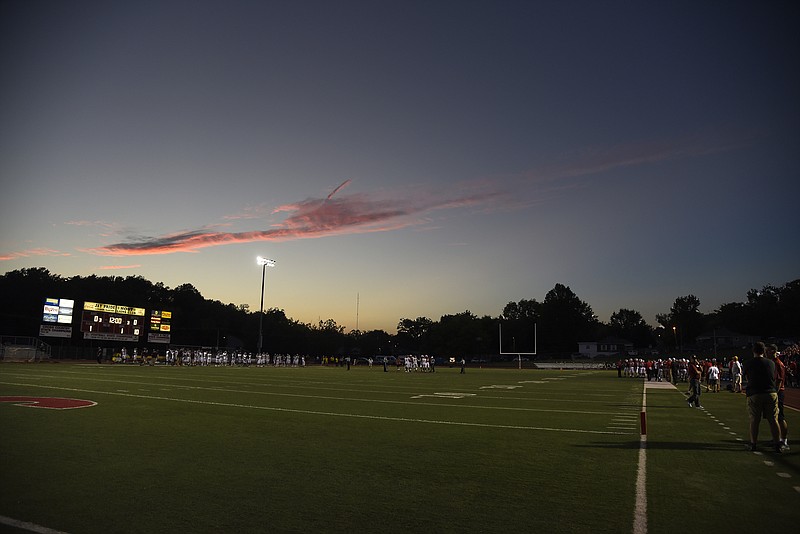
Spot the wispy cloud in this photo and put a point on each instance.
(118, 267)
(106, 229)
(314, 218)
(249, 212)
(32, 252)
(599, 159)
(337, 214)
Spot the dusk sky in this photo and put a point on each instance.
(423, 158)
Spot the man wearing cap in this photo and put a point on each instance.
(762, 396)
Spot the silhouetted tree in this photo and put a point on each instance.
(565, 320)
(630, 325)
(413, 334)
(684, 320)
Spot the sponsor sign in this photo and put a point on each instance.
(51, 330)
(158, 338)
(104, 336)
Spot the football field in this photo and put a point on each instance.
(323, 449)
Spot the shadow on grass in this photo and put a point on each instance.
(651, 406)
(668, 445)
(787, 461)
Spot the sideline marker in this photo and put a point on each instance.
(643, 422)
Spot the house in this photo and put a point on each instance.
(610, 346)
(724, 338)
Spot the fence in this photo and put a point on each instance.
(23, 349)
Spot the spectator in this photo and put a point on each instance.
(736, 373)
(713, 377)
(695, 384)
(780, 381)
(762, 396)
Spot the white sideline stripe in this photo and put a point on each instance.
(640, 510)
(329, 414)
(31, 527)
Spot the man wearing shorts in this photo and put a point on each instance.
(762, 396)
(713, 377)
(736, 373)
(780, 382)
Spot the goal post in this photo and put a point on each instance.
(515, 352)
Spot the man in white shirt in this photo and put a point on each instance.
(736, 373)
(713, 377)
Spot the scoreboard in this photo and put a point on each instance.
(112, 322)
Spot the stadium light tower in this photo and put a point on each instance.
(264, 263)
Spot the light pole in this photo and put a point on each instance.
(675, 335)
(264, 263)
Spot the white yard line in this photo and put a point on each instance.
(640, 510)
(30, 527)
(327, 414)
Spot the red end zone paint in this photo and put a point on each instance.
(643, 420)
(53, 403)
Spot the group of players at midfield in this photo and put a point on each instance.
(220, 358)
(424, 364)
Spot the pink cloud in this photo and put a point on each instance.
(360, 213)
(117, 267)
(312, 218)
(32, 252)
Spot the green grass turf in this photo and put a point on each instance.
(327, 450)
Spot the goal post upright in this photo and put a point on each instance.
(519, 354)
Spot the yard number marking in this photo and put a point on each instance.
(52, 403)
(446, 396)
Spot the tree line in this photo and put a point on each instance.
(561, 320)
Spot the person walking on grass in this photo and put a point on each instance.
(780, 382)
(713, 377)
(762, 396)
(736, 373)
(695, 384)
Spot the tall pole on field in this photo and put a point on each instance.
(264, 263)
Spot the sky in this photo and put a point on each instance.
(403, 159)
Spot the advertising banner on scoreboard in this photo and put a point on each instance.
(103, 336)
(57, 311)
(158, 338)
(160, 326)
(52, 330)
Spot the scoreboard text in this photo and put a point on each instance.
(112, 322)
